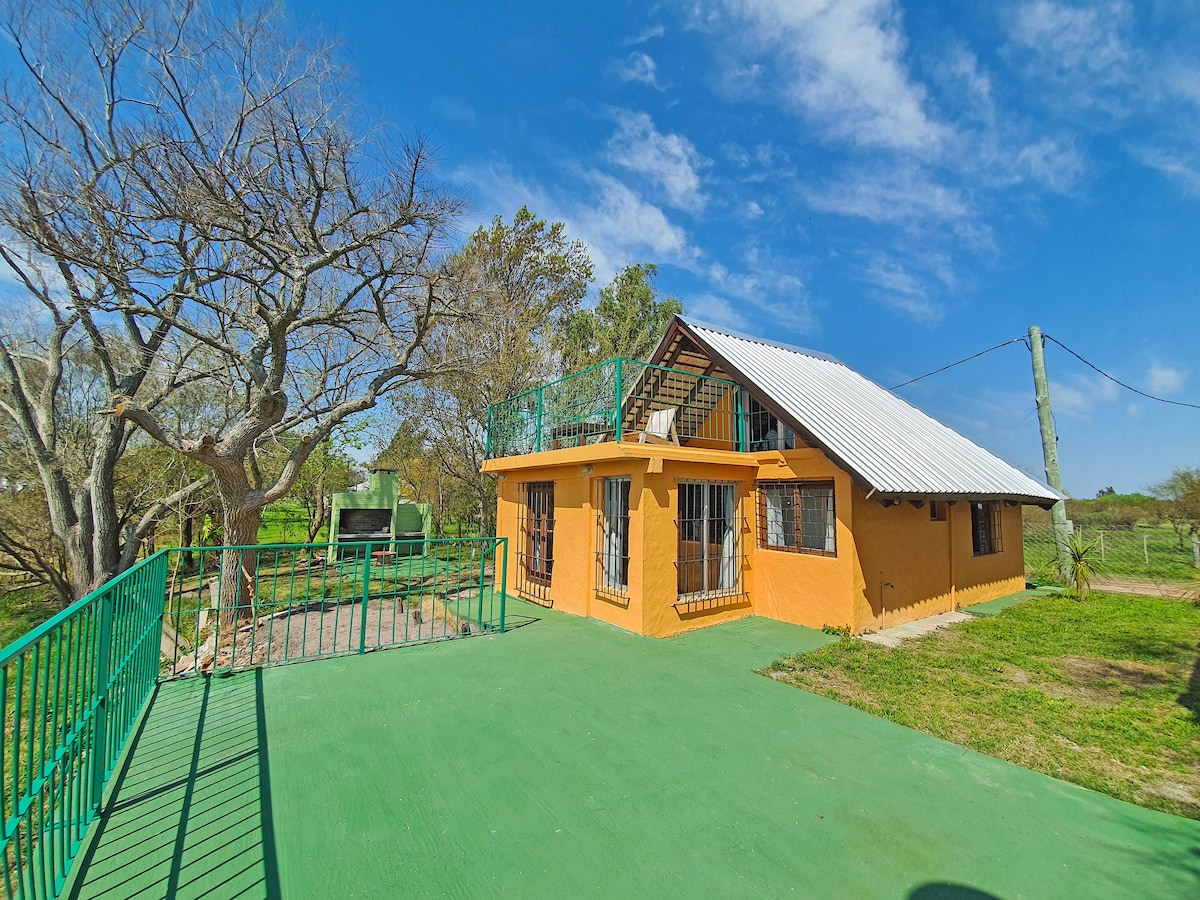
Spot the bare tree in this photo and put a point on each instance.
(199, 207)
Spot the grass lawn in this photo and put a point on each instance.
(22, 609)
(1105, 693)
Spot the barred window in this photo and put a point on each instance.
(536, 534)
(797, 516)
(764, 431)
(986, 534)
(709, 553)
(612, 545)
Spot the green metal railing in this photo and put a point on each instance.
(72, 690)
(70, 693)
(232, 608)
(616, 400)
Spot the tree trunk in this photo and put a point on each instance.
(187, 536)
(238, 567)
(318, 515)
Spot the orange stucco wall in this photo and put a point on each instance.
(929, 564)
(912, 567)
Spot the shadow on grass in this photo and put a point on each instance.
(944, 890)
(190, 813)
(1190, 699)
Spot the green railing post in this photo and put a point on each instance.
(487, 441)
(537, 439)
(103, 664)
(482, 568)
(740, 426)
(619, 419)
(503, 578)
(366, 595)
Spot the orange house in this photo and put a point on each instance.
(732, 476)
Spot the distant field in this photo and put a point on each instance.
(1141, 553)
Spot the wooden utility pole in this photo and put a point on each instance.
(1058, 512)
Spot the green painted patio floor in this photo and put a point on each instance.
(570, 759)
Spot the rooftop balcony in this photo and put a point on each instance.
(620, 400)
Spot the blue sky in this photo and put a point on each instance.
(898, 185)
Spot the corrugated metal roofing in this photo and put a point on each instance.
(890, 445)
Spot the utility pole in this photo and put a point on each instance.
(1058, 511)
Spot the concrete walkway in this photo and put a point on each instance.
(897, 634)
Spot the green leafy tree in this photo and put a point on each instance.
(514, 285)
(628, 321)
(1179, 499)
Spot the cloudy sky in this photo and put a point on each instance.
(898, 185)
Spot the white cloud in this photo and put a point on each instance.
(899, 288)
(647, 34)
(1055, 165)
(1078, 56)
(666, 160)
(1081, 395)
(1164, 379)
(639, 68)
(893, 194)
(752, 210)
(714, 310)
(1086, 39)
(1182, 167)
(617, 224)
(841, 65)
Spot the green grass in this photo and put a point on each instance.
(1105, 693)
(287, 523)
(23, 609)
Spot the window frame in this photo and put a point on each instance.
(797, 487)
(987, 528)
(757, 414)
(703, 526)
(606, 585)
(536, 527)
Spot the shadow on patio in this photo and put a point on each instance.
(190, 812)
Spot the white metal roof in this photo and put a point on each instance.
(890, 445)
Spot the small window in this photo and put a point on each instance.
(797, 516)
(764, 431)
(612, 551)
(536, 549)
(986, 536)
(938, 510)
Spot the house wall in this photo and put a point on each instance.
(663, 614)
(930, 564)
(804, 588)
(979, 578)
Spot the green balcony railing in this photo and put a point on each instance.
(621, 399)
(72, 690)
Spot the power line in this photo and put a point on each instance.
(1118, 381)
(960, 362)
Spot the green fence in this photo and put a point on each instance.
(72, 690)
(618, 400)
(233, 608)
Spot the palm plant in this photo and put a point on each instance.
(1082, 565)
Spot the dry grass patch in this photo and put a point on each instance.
(1104, 693)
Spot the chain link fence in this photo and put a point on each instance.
(1151, 555)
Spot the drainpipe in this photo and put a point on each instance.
(883, 603)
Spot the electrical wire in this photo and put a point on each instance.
(1019, 340)
(1116, 381)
